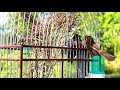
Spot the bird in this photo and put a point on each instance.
(94, 49)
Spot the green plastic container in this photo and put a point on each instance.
(26, 51)
(97, 65)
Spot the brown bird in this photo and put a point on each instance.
(94, 49)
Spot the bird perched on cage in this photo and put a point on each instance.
(94, 49)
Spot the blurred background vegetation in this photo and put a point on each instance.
(110, 41)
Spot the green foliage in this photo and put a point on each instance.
(109, 70)
(110, 32)
(88, 24)
(110, 41)
(114, 75)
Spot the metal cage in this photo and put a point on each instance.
(39, 44)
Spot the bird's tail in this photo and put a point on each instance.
(108, 56)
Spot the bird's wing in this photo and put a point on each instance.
(94, 51)
(107, 56)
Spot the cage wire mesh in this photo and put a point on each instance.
(54, 29)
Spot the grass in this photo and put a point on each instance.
(114, 75)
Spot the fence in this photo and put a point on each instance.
(42, 53)
(30, 65)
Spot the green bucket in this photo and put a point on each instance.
(26, 51)
(97, 65)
